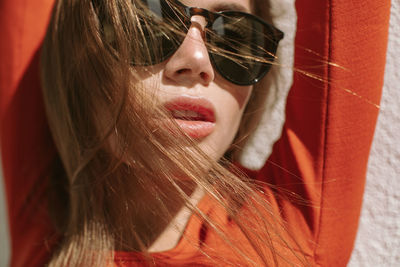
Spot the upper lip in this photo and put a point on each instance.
(203, 107)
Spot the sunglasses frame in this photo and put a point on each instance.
(210, 18)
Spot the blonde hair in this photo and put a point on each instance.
(110, 148)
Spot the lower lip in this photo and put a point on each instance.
(196, 129)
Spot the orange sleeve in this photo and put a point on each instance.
(26, 145)
(323, 152)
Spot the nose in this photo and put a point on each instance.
(191, 64)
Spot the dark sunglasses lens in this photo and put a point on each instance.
(163, 31)
(245, 46)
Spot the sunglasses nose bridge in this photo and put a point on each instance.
(200, 21)
(206, 14)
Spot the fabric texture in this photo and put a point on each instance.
(321, 155)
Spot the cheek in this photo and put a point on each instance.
(239, 97)
(242, 96)
(230, 113)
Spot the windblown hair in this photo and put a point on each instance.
(111, 149)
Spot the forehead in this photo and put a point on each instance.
(220, 5)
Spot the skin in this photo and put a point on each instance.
(189, 72)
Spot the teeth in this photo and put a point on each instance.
(185, 114)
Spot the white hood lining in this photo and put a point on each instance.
(279, 80)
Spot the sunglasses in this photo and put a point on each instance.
(241, 46)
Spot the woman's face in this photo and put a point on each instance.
(206, 106)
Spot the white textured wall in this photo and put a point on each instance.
(378, 240)
(4, 248)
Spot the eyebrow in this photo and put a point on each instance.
(230, 6)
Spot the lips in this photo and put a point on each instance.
(195, 116)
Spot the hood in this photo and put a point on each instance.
(279, 80)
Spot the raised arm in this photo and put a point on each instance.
(26, 144)
(323, 152)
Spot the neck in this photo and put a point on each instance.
(153, 230)
(171, 235)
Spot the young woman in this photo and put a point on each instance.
(148, 103)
